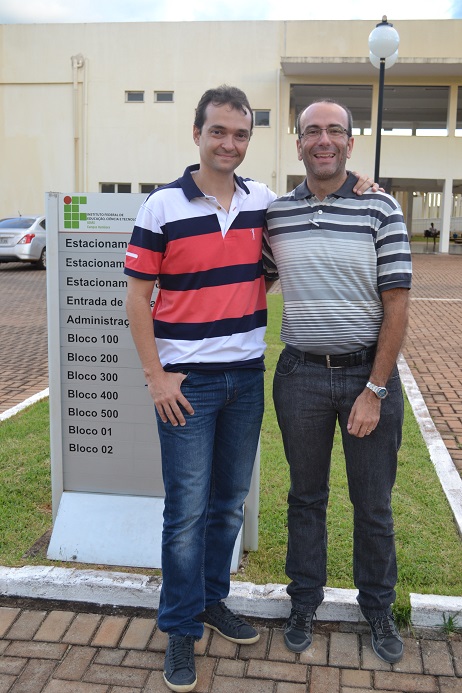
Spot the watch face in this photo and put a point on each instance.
(382, 392)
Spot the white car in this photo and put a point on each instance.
(23, 239)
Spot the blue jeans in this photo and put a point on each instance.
(309, 400)
(207, 468)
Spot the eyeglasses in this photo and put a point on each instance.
(333, 131)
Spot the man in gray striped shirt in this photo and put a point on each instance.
(345, 268)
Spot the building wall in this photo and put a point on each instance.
(66, 127)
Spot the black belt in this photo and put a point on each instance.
(356, 358)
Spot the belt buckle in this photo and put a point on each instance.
(328, 362)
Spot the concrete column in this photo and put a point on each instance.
(446, 209)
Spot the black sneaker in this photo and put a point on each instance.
(386, 641)
(227, 624)
(179, 667)
(298, 631)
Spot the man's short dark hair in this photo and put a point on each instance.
(219, 97)
(338, 103)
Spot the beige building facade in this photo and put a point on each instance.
(109, 107)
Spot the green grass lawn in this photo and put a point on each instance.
(428, 544)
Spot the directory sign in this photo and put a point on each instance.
(109, 435)
(106, 465)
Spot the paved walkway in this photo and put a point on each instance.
(51, 648)
(53, 651)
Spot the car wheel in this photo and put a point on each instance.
(42, 262)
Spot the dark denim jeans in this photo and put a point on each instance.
(309, 400)
(207, 468)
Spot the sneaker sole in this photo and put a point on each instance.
(238, 641)
(392, 660)
(296, 648)
(185, 688)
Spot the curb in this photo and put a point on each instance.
(107, 588)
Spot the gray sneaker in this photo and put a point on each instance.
(179, 668)
(298, 631)
(386, 640)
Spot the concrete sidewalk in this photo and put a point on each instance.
(62, 647)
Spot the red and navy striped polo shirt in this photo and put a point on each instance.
(210, 311)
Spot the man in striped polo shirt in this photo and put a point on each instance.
(200, 237)
(345, 268)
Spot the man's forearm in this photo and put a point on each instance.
(391, 335)
(139, 315)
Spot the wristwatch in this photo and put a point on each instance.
(380, 392)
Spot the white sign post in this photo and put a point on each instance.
(106, 471)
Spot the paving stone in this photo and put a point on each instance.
(230, 667)
(219, 647)
(258, 649)
(116, 676)
(34, 676)
(147, 660)
(456, 648)
(7, 616)
(324, 680)
(436, 658)
(224, 684)
(37, 650)
(155, 683)
(110, 631)
(108, 656)
(285, 687)
(205, 667)
(138, 633)
(201, 645)
(411, 662)
(56, 686)
(12, 665)
(54, 626)
(6, 682)
(343, 651)
(368, 657)
(355, 678)
(82, 629)
(278, 649)
(406, 683)
(75, 663)
(26, 625)
(277, 671)
(159, 641)
(450, 685)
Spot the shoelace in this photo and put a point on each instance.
(300, 621)
(181, 648)
(384, 625)
(221, 612)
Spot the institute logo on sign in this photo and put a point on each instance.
(72, 211)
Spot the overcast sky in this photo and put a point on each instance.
(40, 11)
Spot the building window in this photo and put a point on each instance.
(134, 96)
(261, 118)
(163, 96)
(415, 110)
(115, 187)
(459, 113)
(149, 187)
(358, 98)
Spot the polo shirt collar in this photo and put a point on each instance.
(346, 190)
(191, 190)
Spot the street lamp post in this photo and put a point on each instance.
(383, 53)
